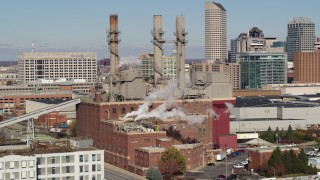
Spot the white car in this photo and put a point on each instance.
(244, 162)
(238, 166)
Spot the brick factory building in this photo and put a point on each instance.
(260, 156)
(101, 121)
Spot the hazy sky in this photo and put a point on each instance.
(80, 25)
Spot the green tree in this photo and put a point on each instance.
(170, 159)
(154, 174)
(302, 161)
(287, 161)
(293, 157)
(289, 133)
(276, 161)
(73, 128)
(268, 135)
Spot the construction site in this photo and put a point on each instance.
(134, 114)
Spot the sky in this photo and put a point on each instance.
(80, 25)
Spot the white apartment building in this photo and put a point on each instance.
(78, 165)
(62, 165)
(215, 32)
(18, 167)
(33, 66)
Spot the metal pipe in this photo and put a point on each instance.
(157, 47)
(180, 45)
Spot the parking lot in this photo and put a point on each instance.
(224, 167)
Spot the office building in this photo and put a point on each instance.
(301, 36)
(215, 32)
(258, 68)
(306, 67)
(233, 50)
(55, 65)
(169, 65)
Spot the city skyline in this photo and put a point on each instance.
(81, 25)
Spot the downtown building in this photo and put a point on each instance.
(215, 32)
(301, 36)
(259, 68)
(34, 66)
(306, 67)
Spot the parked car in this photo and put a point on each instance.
(221, 176)
(241, 151)
(238, 166)
(211, 164)
(244, 162)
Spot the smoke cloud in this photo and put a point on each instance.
(212, 114)
(168, 109)
(229, 107)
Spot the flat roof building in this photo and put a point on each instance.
(55, 65)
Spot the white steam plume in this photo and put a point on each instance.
(129, 61)
(195, 119)
(212, 113)
(166, 110)
(229, 107)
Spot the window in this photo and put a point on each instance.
(81, 178)
(114, 110)
(68, 169)
(123, 110)
(93, 157)
(93, 168)
(131, 108)
(67, 159)
(53, 170)
(24, 164)
(53, 160)
(93, 177)
(81, 168)
(11, 165)
(81, 158)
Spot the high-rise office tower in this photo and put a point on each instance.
(301, 36)
(215, 32)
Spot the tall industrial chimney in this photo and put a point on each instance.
(113, 41)
(157, 46)
(180, 45)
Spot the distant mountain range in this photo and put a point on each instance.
(8, 63)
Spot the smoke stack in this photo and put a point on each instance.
(113, 41)
(180, 45)
(97, 97)
(157, 46)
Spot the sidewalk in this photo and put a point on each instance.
(122, 171)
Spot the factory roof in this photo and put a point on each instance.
(270, 101)
(51, 101)
(186, 146)
(151, 149)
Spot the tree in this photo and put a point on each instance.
(172, 162)
(154, 174)
(289, 133)
(276, 161)
(294, 162)
(73, 128)
(302, 161)
(268, 135)
(287, 161)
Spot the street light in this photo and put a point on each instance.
(274, 172)
(226, 161)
